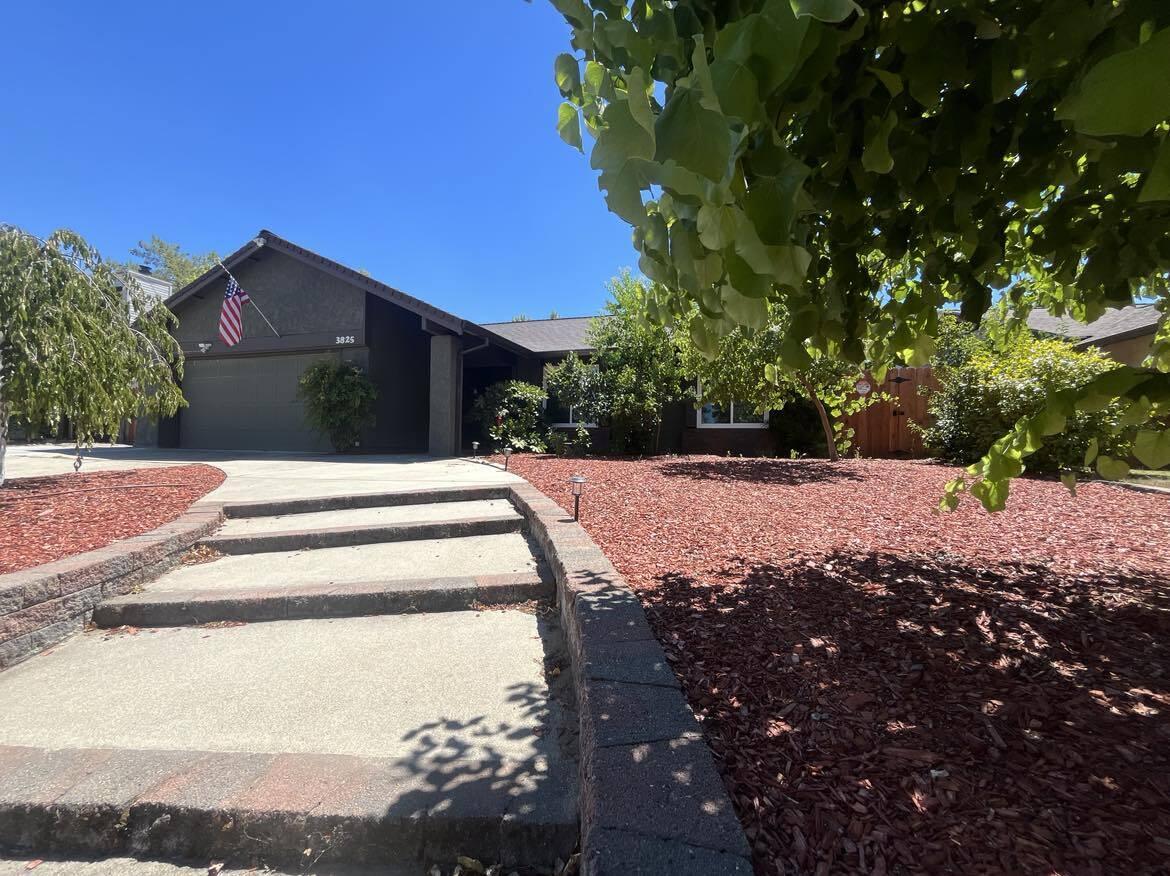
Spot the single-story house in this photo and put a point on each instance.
(1125, 333)
(428, 365)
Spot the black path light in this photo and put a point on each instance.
(507, 457)
(578, 483)
(475, 450)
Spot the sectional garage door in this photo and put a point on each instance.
(247, 403)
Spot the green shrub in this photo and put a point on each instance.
(510, 414)
(987, 390)
(577, 442)
(339, 400)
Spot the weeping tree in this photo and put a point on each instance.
(79, 339)
(997, 154)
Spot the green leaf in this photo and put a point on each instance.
(767, 43)
(574, 11)
(1069, 479)
(877, 158)
(825, 10)
(568, 75)
(789, 264)
(1112, 469)
(569, 125)
(772, 202)
(892, 81)
(623, 192)
(1091, 451)
(1126, 93)
(694, 136)
(621, 138)
(1157, 184)
(1152, 448)
(737, 90)
(705, 341)
(751, 312)
(717, 226)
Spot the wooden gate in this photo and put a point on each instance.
(884, 429)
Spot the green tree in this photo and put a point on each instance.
(633, 374)
(795, 151)
(744, 369)
(78, 342)
(168, 261)
(339, 401)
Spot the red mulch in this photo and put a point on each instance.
(890, 691)
(48, 518)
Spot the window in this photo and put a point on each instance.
(735, 415)
(559, 415)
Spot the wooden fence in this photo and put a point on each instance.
(884, 429)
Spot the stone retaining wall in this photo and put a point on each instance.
(652, 800)
(43, 605)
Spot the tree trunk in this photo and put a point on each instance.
(826, 424)
(3, 437)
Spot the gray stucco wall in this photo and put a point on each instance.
(299, 300)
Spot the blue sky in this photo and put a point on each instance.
(415, 140)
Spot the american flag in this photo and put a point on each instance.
(231, 320)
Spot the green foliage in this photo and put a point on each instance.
(981, 398)
(510, 414)
(576, 442)
(339, 401)
(865, 164)
(634, 373)
(168, 261)
(746, 368)
(76, 342)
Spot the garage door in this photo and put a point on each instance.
(247, 403)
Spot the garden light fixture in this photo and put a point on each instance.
(475, 450)
(507, 457)
(578, 483)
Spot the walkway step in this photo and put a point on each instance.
(343, 536)
(409, 738)
(180, 607)
(366, 500)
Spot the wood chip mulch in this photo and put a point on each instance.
(891, 691)
(48, 518)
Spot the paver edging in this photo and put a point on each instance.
(45, 604)
(651, 798)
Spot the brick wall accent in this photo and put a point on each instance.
(43, 605)
(652, 800)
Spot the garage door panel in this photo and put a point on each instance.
(248, 403)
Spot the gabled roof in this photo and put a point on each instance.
(267, 239)
(547, 336)
(1117, 323)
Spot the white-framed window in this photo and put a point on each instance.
(729, 415)
(561, 416)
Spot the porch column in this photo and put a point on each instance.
(446, 387)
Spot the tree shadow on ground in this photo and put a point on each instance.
(875, 712)
(780, 472)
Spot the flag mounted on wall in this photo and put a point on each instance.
(231, 315)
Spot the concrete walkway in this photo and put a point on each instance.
(394, 723)
(258, 477)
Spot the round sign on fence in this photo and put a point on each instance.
(862, 387)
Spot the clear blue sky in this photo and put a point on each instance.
(415, 140)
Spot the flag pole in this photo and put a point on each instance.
(250, 301)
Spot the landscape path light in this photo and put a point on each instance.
(578, 483)
(475, 450)
(507, 457)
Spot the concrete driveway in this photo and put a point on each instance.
(261, 476)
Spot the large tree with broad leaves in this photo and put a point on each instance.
(865, 164)
(79, 339)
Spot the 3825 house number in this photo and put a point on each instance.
(344, 339)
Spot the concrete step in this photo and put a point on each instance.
(381, 740)
(359, 526)
(362, 598)
(367, 500)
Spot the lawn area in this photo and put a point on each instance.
(887, 690)
(48, 518)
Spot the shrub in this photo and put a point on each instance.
(510, 414)
(577, 442)
(983, 395)
(339, 400)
